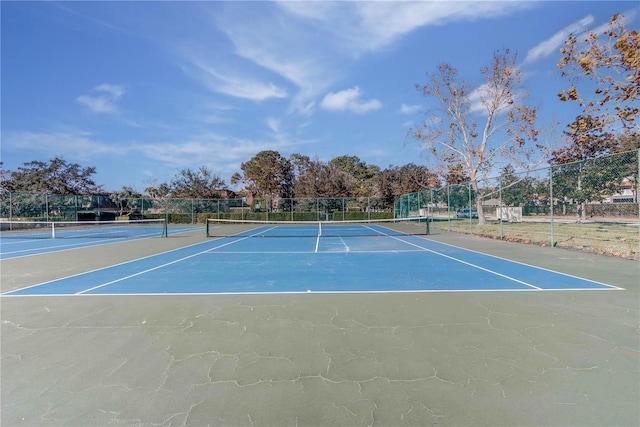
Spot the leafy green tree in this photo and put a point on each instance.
(335, 182)
(363, 175)
(518, 189)
(578, 176)
(309, 180)
(398, 180)
(584, 181)
(267, 174)
(55, 177)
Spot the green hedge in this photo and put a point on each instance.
(361, 216)
(295, 216)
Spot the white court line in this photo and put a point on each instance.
(334, 292)
(451, 258)
(113, 265)
(101, 268)
(503, 259)
(527, 265)
(80, 245)
(170, 263)
(462, 262)
(55, 248)
(420, 249)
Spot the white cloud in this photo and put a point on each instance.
(221, 152)
(366, 26)
(115, 91)
(552, 44)
(349, 100)
(230, 83)
(68, 143)
(309, 43)
(304, 58)
(105, 99)
(273, 124)
(409, 109)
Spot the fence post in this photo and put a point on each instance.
(553, 244)
(449, 207)
(408, 206)
(500, 206)
(470, 210)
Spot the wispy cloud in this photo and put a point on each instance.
(367, 26)
(349, 100)
(552, 44)
(223, 153)
(73, 144)
(410, 109)
(309, 44)
(88, 18)
(266, 39)
(231, 83)
(103, 100)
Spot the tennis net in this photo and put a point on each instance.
(83, 229)
(366, 228)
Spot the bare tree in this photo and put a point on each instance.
(481, 128)
(201, 184)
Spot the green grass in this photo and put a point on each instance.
(603, 238)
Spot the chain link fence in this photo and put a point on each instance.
(54, 207)
(590, 205)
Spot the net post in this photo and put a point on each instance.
(53, 230)
(165, 228)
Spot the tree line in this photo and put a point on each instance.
(267, 174)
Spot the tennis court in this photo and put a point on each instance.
(365, 324)
(24, 238)
(280, 258)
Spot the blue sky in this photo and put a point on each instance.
(141, 90)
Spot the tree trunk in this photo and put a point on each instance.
(479, 209)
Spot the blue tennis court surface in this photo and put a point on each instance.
(255, 263)
(40, 242)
